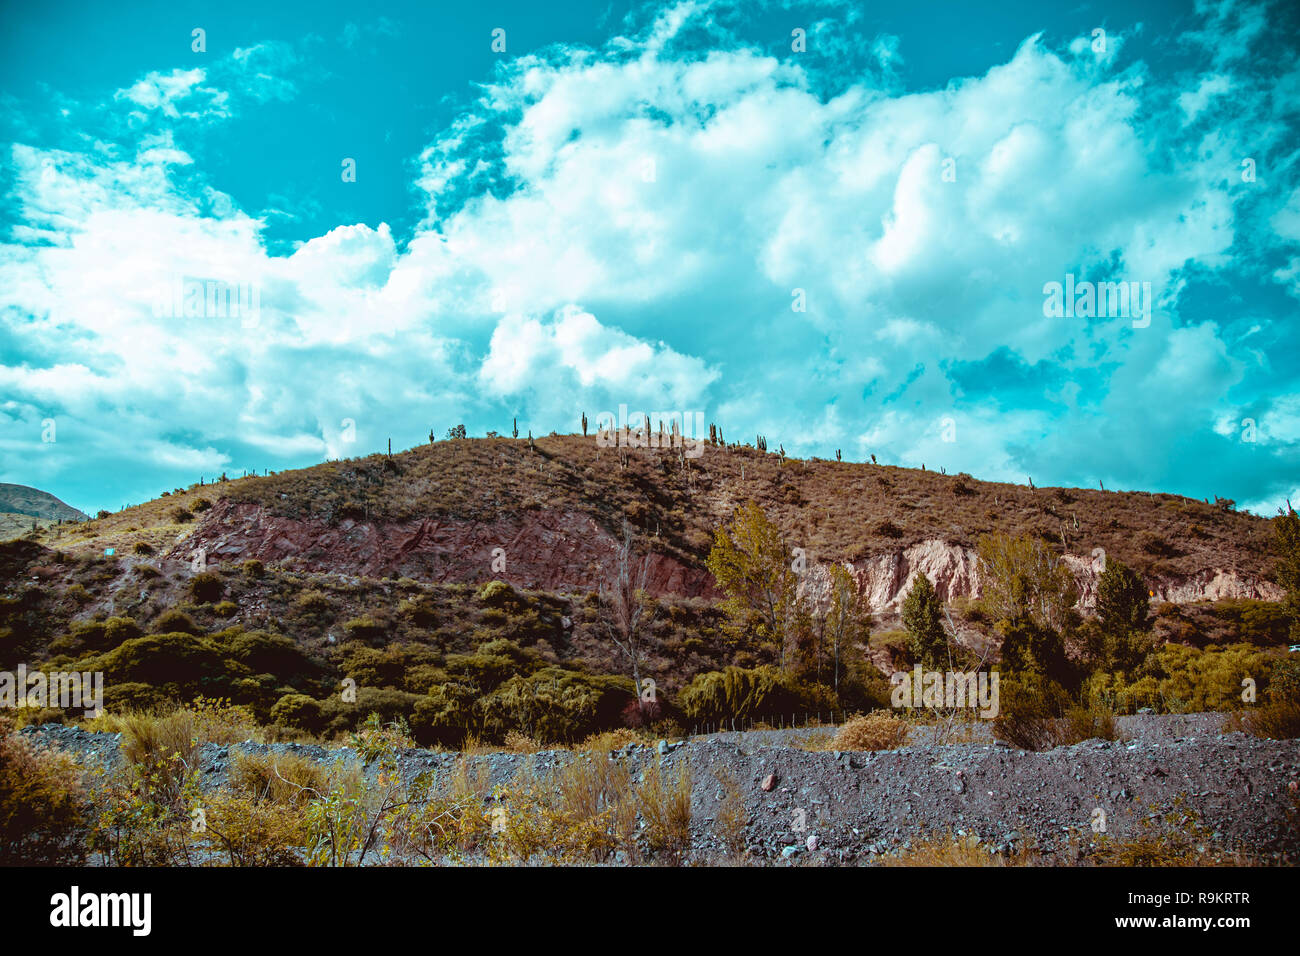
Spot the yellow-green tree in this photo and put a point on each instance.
(847, 620)
(1021, 579)
(1287, 530)
(752, 565)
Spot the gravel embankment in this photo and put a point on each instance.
(856, 806)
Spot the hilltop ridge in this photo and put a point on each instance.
(554, 505)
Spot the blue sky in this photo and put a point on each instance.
(627, 206)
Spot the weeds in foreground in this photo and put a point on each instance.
(731, 817)
(953, 850)
(665, 805)
(44, 815)
(1173, 837)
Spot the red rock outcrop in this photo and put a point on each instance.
(562, 551)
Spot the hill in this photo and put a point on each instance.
(545, 515)
(387, 571)
(22, 506)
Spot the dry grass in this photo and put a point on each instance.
(952, 850)
(282, 779)
(731, 817)
(43, 806)
(1277, 720)
(878, 730)
(613, 740)
(665, 804)
(816, 742)
(517, 743)
(149, 738)
(1170, 836)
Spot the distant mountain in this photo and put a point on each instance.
(21, 505)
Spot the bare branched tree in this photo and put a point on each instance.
(630, 612)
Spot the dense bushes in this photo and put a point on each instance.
(1181, 679)
(1029, 707)
(498, 689)
(757, 693)
(1278, 716)
(554, 704)
(298, 711)
(250, 668)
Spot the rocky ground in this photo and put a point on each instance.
(851, 808)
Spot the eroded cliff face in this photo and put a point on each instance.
(885, 579)
(567, 551)
(561, 551)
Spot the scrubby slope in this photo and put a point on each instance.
(440, 512)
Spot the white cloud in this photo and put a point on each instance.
(649, 219)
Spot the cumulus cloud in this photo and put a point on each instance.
(823, 256)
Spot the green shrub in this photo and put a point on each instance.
(174, 621)
(206, 587)
(445, 714)
(365, 629)
(1181, 679)
(264, 653)
(741, 694)
(497, 594)
(314, 602)
(554, 705)
(101, 635)
(298, 711)
(340, 716)
(188, 664)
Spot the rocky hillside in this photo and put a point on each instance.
(544, 515)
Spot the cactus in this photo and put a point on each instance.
(514, 427)
(584, 424)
